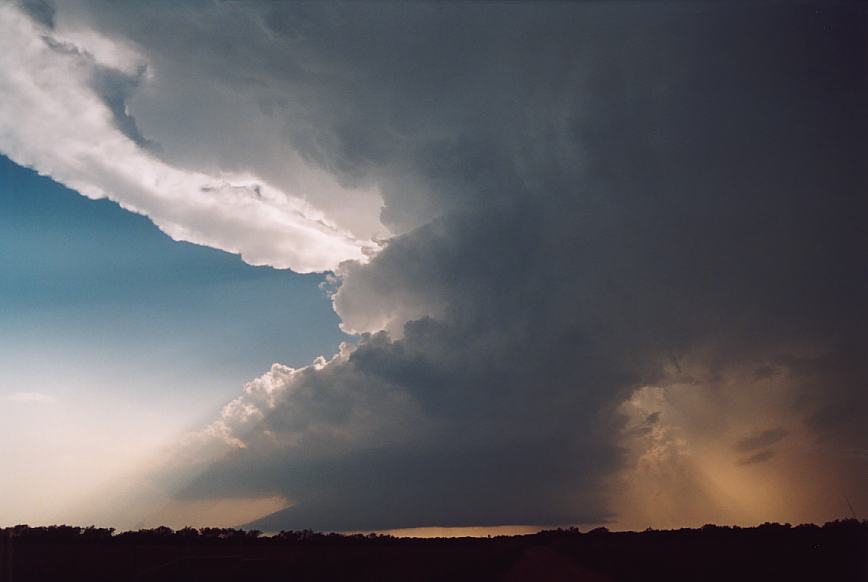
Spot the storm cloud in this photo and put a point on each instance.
(576, 202)
(760, 440)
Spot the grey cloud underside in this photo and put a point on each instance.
(755, 447)
(583, 193)
(756, 458)
(761, 440)
(115, 88)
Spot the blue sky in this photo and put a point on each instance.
(124, 330)
(88, 276)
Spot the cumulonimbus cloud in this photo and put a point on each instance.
(600, 217)
(61, 115)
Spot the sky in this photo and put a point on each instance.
(380, 266)
(117, 339)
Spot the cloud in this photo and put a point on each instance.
(587, 205)
(760, 457)
(65, 113)
(760, 440)
(390, 425)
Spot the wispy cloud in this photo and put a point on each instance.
(31, 397)
(760, 457)
(760, 440)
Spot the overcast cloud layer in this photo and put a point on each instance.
(625, 241)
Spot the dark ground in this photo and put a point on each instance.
(837, 551)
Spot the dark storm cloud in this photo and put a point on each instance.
(760, 440)
(583, 193)
(760, 457)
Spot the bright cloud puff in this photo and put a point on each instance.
(54, 119)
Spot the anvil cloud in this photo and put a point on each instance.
(615, 242)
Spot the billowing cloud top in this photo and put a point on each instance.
(66, 112)
(626, 258)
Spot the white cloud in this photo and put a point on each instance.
(34, 397)
(52, 119)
